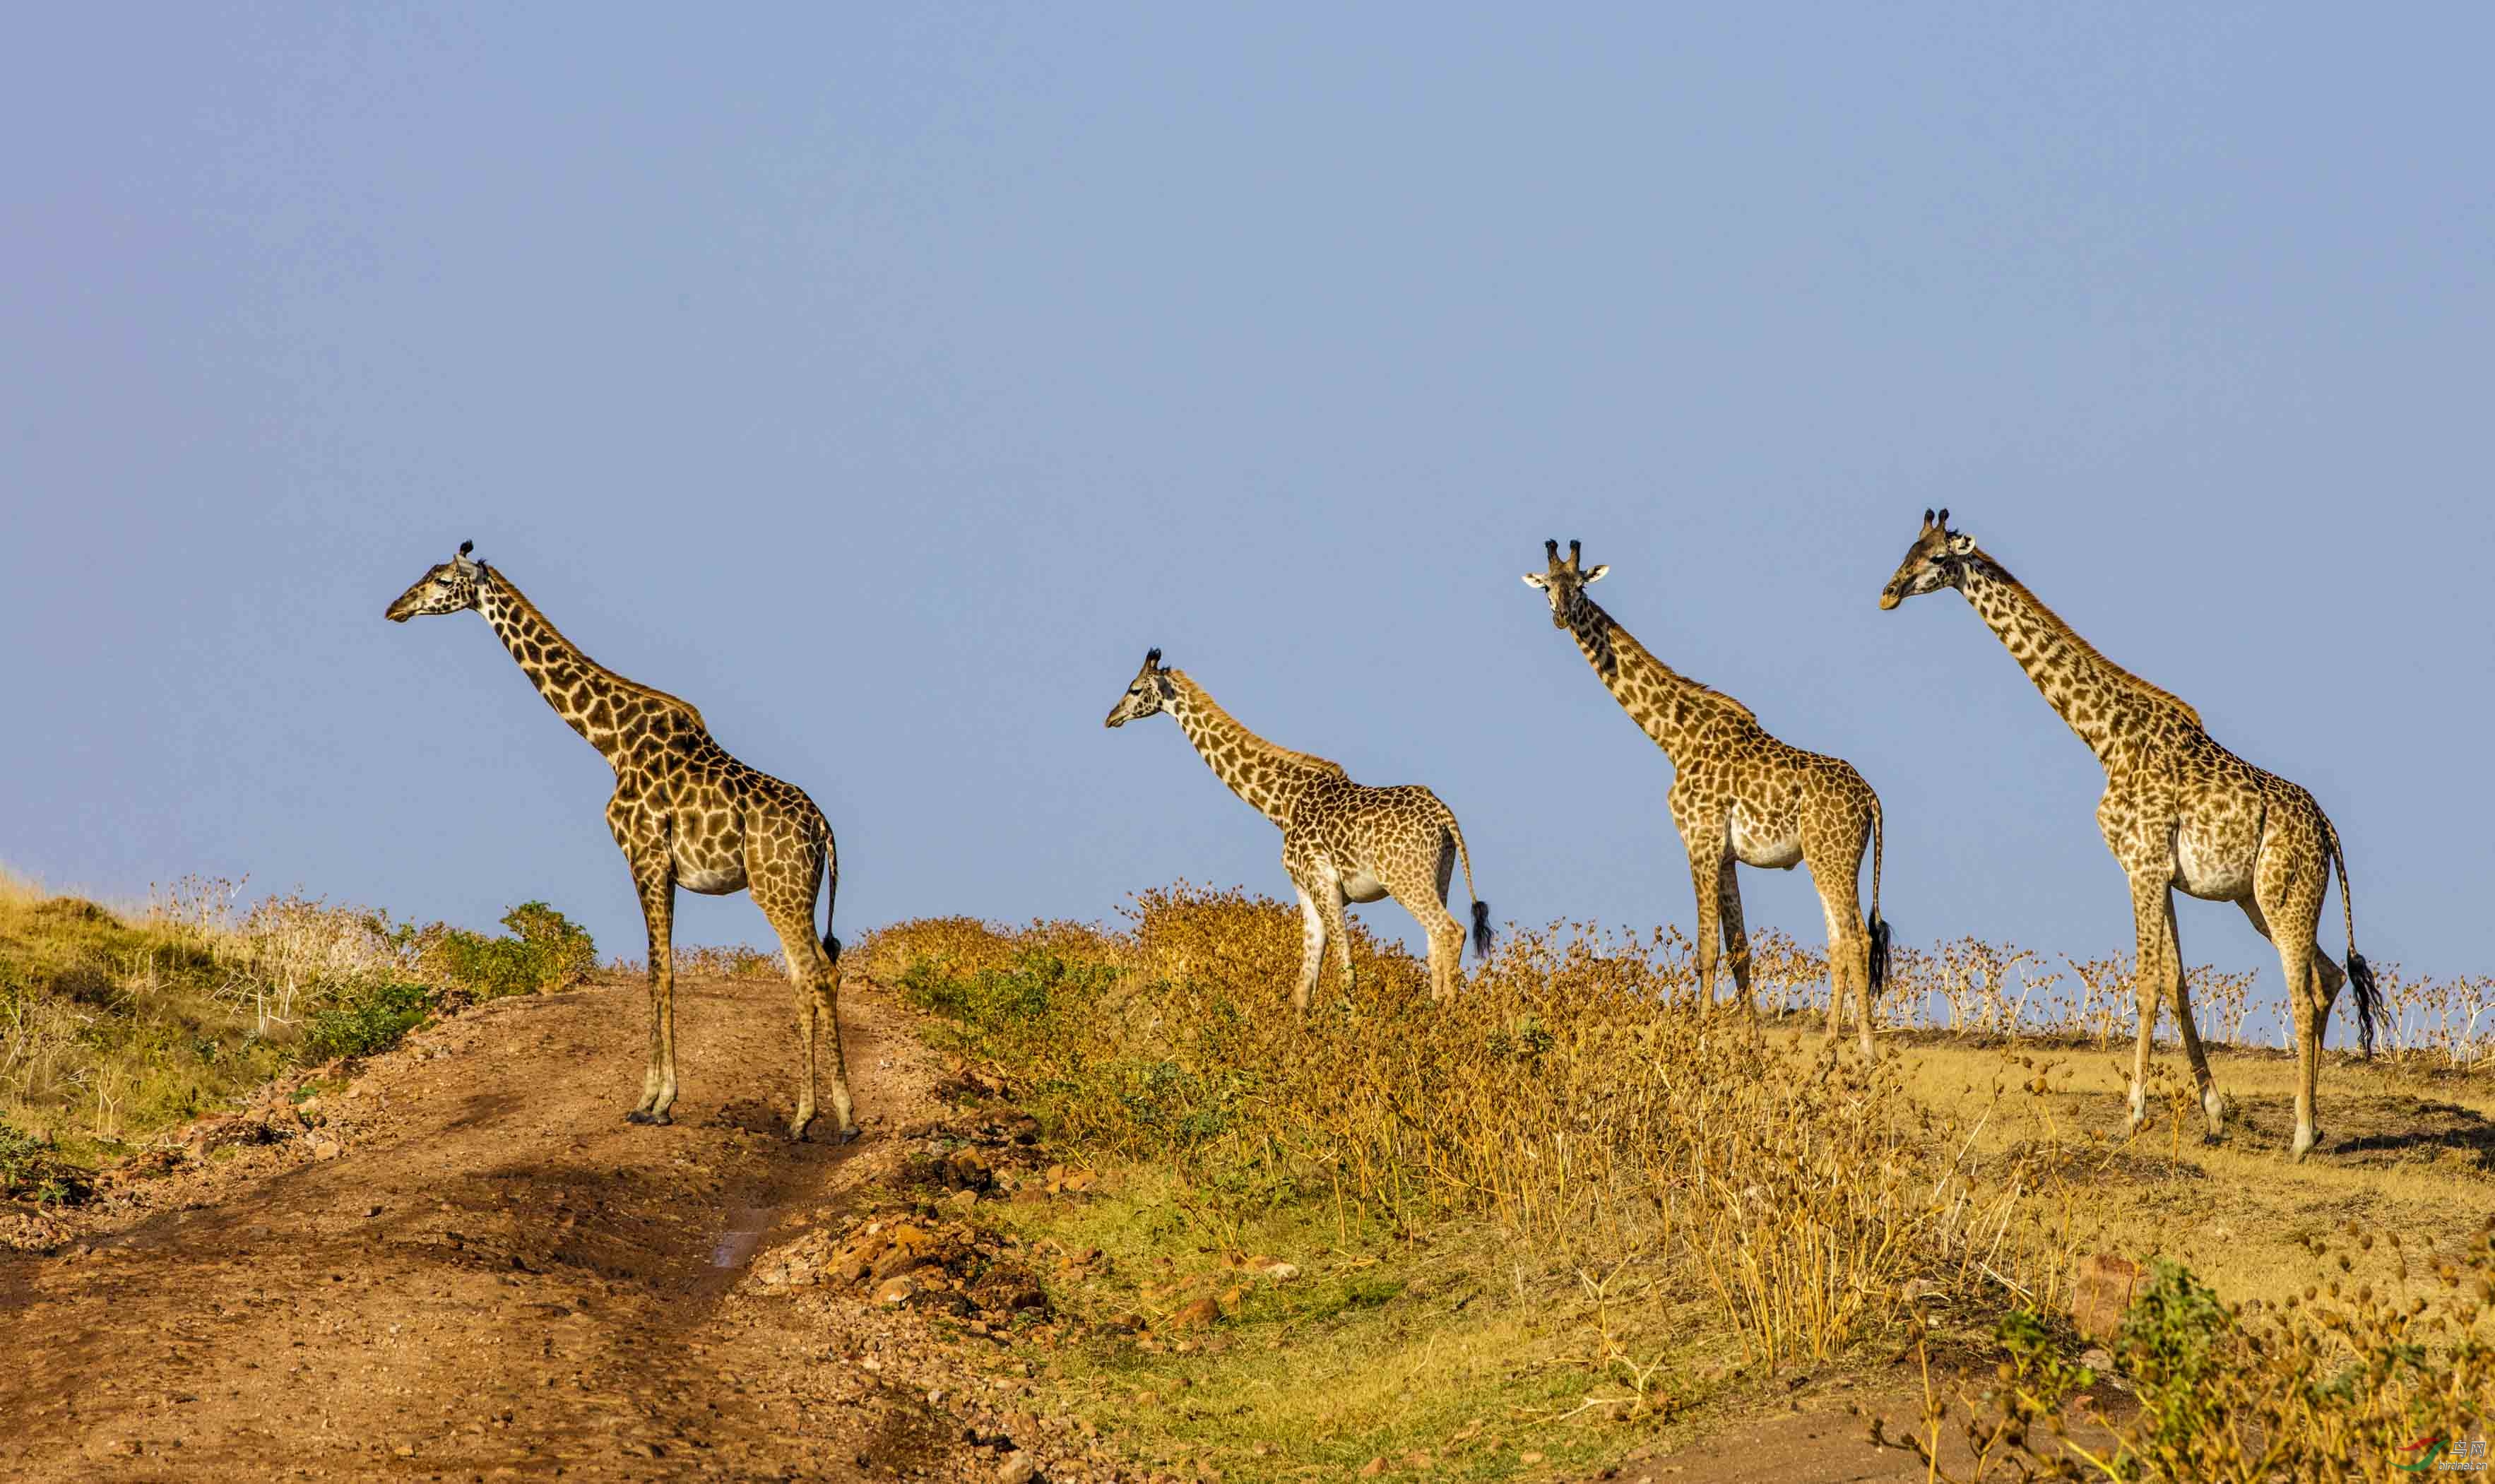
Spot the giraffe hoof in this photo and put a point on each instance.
(848, 1135)
(645, 1116)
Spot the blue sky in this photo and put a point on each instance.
(886, 380)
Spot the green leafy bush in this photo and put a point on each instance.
(370, 1022)
(32, 1169)
(546, 950)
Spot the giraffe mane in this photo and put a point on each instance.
(1622, 642)
(520, 600)
(1200, 696)
(2073, 637)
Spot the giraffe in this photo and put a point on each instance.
(2178, 810)
(686, 813)
(1740, 795)
(1341, 841)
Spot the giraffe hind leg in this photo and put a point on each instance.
(658, 892)
(813, 983)
(1420, 891)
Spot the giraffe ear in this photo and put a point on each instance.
(1168, 690)
(1960, 543)
(1536, 579)
(1596, 576)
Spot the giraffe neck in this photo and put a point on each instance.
(1668, 705)
(1269, 777)
(2109, 707)
(615, 715)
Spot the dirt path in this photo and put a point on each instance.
(489, 1275)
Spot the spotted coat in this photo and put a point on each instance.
(1740, 797)
(685, 814)
(1341, 841)
(2179, 811)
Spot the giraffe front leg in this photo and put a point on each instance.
(1703, 878)
(1736, 936)
(1313, 946)
(2213, 1108)
(658, 889)
(2150, 912)
(1330, 903)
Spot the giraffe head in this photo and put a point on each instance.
(1150, 690)
(449, 588)
(1563, 582)
(1936, 560)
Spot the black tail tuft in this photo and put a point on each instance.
(832, 946)
(2369, 999)
(1879, 932)
(1481, 930)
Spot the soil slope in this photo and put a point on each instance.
(475, 1269)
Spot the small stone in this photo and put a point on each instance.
(1418, 1460)
(1281, 1272)
(2099, 1360)
(405, 1450)
(1017, 1468)
(1373, 1468)
(1529, 1459)
(962, 1201)
(896, 1290)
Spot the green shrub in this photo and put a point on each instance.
(32, 1169)
(368, 1023)
(546, 950)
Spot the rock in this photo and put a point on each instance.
(896, 1290)
(1419, 1461)
(967, 1170)
(2099, 1360)
(1529, 1459)
(1280, 1271)
(2102, 1295)
(1017, 1468)
(1373, 1468)
(963, 1199)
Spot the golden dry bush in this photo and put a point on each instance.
(1569, 1094)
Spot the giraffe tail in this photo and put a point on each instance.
(2360, 975)
(1875, 926)
(831, 897)
(1481, 908)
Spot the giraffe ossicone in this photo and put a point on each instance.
(2178, 811)
(1740, 797)
(685, 814)
(1341, 841)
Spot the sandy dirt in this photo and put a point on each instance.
(474, 1269)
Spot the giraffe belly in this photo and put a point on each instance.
(1763, 848)
(2212, 869)
(1361, 887)
(711, 880)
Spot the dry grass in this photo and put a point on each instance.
(115, 1025)
(1714, 1202)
